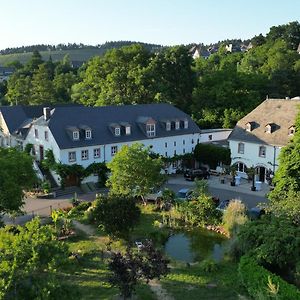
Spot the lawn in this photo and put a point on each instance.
(88, 276)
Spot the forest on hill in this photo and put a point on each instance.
(216, 91)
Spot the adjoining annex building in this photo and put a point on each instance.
(257, 139)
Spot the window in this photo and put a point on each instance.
(183, 151)
(192, 141)
(168, 126)
(262, 151)
(291, 130)
(75, 135)
(174, 152)
(183, 142)
(33, 150)
(166, 145)
(88, 134)
(177, 125)
(210, 137)
(166, 154)
(186, 124)
(175, 144)
(240, 167)
(127, 130)
(174, 164)
(117, 131)
(114, 150)
(46, 136)
(197, 141)
(241, 148)
(72, 156)
(36, 133)
(96, 152)
(84, 154)
(150, 128)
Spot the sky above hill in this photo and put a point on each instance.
(166, 22)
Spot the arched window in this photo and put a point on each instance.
(241, 167)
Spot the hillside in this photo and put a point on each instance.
(77, 52)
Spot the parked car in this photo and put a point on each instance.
(184, 194)
(201, 173)
(255, 213)
(223, 205)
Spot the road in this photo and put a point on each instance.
(250, 200)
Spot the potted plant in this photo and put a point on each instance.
(233, 174)
(251, 176)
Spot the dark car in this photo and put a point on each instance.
(255, 213)
(201, 173)
(223, 205)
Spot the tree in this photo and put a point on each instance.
(134, 172)
(30, 256)
(117, 215)
(130, 268)
(16, 175)
(284, 199)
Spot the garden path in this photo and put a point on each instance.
(159, 291)
(89, 230)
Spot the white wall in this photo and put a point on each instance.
(251, 155)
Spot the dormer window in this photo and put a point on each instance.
(270, 127)
(292, 130)
(186, 124)
(177, 125)
(249, 126)
(127, 130)
(88, 134)
(150, 129)
(168, 126)
(117, 131)
(75, 135)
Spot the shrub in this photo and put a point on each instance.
(262, 284)
(234, 216)
(209, 266)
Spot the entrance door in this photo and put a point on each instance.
(262, 174)
(41, 152)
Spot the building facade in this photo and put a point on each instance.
(257, 138)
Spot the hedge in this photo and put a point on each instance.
(256, 280)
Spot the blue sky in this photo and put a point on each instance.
(167, 22)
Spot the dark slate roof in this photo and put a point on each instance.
(16, 116)
(99, 119)
(277, 111)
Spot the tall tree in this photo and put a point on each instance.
(134, 172)
(42, 86)
(19, 89)
(285, 198)
(16, 175)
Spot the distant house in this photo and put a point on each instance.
(217, 136)
(257, 139)
(6, 72)
(199, 51)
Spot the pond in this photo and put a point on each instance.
(196, 245)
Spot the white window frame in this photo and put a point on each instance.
(76, 135)
(46, 134)
(88, 134)
(97, 153)
(241, 148)
(36, 133)
(150, 129)
(72, 156)
(85, 154)
(117, 131)
(262, 151)
(127, 130)
(177, 125)
(113, 150)
(168, 126)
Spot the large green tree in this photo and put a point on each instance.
(134, 171)
(285, 198)
(16, 175)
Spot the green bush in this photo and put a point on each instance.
(80, 209)
(209, 266)
(262, 284)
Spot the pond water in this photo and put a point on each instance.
(196, 245)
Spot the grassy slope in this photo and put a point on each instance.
(77, 54)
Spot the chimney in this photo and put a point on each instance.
(46, 112)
